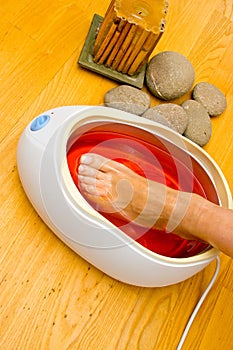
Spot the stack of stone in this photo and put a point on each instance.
(170, 75)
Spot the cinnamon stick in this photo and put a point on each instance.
(145, 60)
(105, 43)
(109, 47)
(133, 40)
(105, 27)
(118, 44)
(124, 46)
(143, 53)
(135, 50)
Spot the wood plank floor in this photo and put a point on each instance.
(50, 298)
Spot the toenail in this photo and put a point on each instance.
(81, 168)
(86, 159)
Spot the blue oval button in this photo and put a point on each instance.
(40, 122)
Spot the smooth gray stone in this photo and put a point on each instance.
(169, 75)
(173, 113)
(128, 99)
(210, 97)
(199, 128)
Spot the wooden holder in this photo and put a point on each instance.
(128, 34)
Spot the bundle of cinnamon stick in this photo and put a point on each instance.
(129, 33)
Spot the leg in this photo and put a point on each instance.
(113, 187)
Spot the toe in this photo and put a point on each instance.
(88, 188)
(87, 170)
(93, 160)
(86, 180)
(103, 164)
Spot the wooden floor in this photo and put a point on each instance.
(50, 298)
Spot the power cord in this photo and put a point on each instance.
(197, 307)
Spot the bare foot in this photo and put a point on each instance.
(114, 188)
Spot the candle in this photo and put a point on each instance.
(129, 32)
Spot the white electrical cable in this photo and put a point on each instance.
(197, 307)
